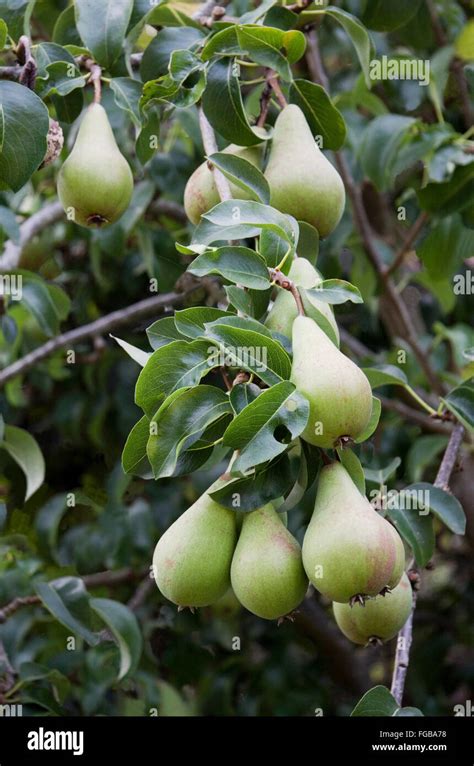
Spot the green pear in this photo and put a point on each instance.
(267, 573)
(200, 194)
(379, 619)
(192, 559)
(284, 310)
(302, 181)
(349, 550)
(338, 392)
(95, 184)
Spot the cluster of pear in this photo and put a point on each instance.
(95, 183)
(302, 182)
(350, 553)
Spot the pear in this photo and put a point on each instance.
(350, 552)
(284, 310)
(338, 392)
(95, 184)
(200, 194)
(191, 563)
(267, 573)
(302, 181)
(379, 619)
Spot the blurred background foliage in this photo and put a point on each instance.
(80, 415)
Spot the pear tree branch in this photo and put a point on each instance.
(53, 212)
(405, 636)
(101, 326)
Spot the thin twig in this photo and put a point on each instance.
(405, 636)
(99, 327)
(29, 69)
(408, 244)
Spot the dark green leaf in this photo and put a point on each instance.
(376, 702)
(322, 116)
(24, 450)
(243, 174)
(124, 627)
(237, 264)
(102, 25)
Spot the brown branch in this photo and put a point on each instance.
(406, 412)
(405, 636)
(280, 97)
(101, 326)
(285, 283)
(29, 70)
(53, 212)
(108, 578)
(10, 72)
(408, 244)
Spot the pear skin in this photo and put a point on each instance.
(349, 550)
(379, 619)
(200, 194)
(284, 310)
(303, 183)
(267, 573)
(338, 392)
(192, 559)
(95, 183)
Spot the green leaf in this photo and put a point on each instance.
(445, 506)
(3, 34)
(237, 264)
(353, 466)
(37, 299)
(380, 146)
(177, 365)
(242, 394)
(359, 36)
(448, 198)
(421, 454)
(25, 125)
(13, 13)
(322, 116)
(127, 94)
(134, 455)
(385, 375)
(137, 354)
(191, 322)
(376, 702)
(124, 626)
(223, 106)
(267, 425)
(180, 423)
(460, 401)
(244, 216)
(148, 138)
(252, 303)
(102, 25)
(162, 332)
(157, 54)
(47, 522)
(251, 492)
(24, 450)
(405, 712)
(243, 174)
(380, 475)
(448, 244)
(308, 242)
(387, 15)
(373, 421)
(336, 291)
(249, 350)
(9, 225)
(68, 601)
(416, 529)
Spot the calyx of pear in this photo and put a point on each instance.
(338, 392)
(200, 194)
(379, 619)
(192, 559)
(95, 183)
(267, 573)
(284, 310)
(350, 552)
(303, 183)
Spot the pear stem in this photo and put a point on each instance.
(420, 401)
(280, 279)
(95, 78)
